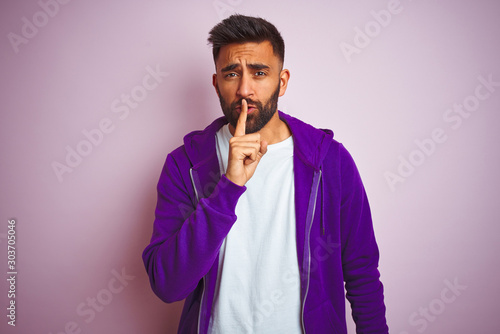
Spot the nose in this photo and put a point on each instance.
(245, 87)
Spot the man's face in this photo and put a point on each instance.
(252, 72)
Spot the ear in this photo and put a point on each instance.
(284, 77)
(214, 83)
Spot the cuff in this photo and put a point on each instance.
(225, 195)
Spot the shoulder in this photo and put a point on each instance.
(198, 145)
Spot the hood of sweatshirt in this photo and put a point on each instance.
(310, 144)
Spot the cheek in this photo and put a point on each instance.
(270, 86)
(227, 90)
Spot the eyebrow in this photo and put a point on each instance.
(254, 66)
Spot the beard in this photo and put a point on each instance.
(258, 118)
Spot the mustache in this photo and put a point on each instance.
(249, 102)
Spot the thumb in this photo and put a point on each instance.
(263, 148)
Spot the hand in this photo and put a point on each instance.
(245, 151)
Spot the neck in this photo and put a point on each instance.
(275, 130)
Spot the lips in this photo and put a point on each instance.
(251, 108)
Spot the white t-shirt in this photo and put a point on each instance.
(258, 285)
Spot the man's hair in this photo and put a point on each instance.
(242, 29)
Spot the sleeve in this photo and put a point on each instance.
(360, 253)
(186, 237)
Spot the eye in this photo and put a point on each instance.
(230, 75)
(260, 73)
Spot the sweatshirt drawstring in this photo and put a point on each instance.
(321, 219)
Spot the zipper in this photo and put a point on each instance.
(194, 185)
(201, 305)
(314, 192)
(203, 278)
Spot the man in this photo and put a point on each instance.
(261, 218)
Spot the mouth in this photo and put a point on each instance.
(251, 108)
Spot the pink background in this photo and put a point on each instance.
(73, 237)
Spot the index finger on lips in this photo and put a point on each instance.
(242, 120)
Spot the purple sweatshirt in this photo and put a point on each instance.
(335, 239)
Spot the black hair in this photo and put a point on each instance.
(241, 29)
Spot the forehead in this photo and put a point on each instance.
(250, 52)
